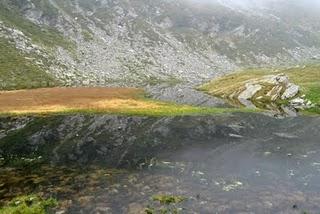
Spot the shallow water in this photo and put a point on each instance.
(258, 165)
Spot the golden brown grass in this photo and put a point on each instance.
(92, 100)
(62, 99)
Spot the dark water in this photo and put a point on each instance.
(255, 164)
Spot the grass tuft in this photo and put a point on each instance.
(29, 204)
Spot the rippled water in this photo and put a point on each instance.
(265, 166)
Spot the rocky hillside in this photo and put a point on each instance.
(141, 42)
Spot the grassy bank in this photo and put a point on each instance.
(307, 77)
(123, 101)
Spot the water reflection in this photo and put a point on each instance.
(257, 165)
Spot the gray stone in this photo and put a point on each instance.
(291, 91)
(297, 101)
(250, 91)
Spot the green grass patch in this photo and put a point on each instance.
(30, 204)
(168, 199)
(163, 111)
(168, 204)
(313, 93)
(17, 71)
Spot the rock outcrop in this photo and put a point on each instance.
(291, 91)
(270, 89)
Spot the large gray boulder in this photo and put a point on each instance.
(291, 91)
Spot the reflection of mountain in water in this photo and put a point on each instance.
(120, 140)
(228, 163)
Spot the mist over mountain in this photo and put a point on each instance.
(141, 42)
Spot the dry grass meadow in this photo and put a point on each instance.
(91, 100)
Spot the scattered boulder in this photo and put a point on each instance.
(291, 91)
(300, 103)
(297, 101)
(270, 88)
(250, 91)
(276, 79)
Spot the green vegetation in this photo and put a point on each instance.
(17, 71)
(163, 110)
(168, 199)
(168, 204)
(30, 204)
(313, 94)
(10, 15)
(307, 77)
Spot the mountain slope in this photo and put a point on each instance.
(140, 42)
(18, 71)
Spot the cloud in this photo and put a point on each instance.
(264, 3)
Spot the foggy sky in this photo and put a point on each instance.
(264, 3)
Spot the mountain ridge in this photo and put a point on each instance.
(143, 42)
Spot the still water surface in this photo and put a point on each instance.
(265, 165)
